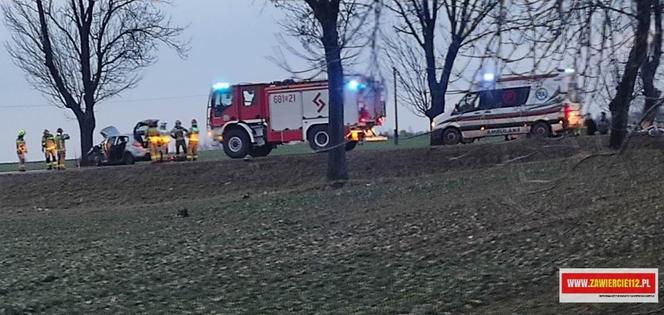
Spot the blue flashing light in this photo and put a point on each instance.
(355, 85)
(489, 77)
(221, 86)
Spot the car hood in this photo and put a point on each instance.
(442, 118)
(109, 132)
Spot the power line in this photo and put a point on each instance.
(114, 101)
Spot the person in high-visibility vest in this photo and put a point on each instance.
(21, 150)
(192, 152)
(50, 149)
(178, 133)
(154, 139)
(164, 139)
(60, 139)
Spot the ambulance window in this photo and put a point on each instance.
(504, 98)
(489, 99)
(249, 97)
(468, 104)
(514, 97)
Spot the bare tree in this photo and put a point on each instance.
(606, 41)
(650, 66)
(412, 86)
(619, 106)
(419, 20)
(328, 31)
(81, 52)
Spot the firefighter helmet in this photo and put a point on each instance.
(60, 130)
(21, 133)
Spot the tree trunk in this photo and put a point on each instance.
(619, 106)
(86, 126)
(437, 98)
(649, 69)
(336, 164)
(439, 87)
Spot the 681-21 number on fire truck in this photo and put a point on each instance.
(284, 98)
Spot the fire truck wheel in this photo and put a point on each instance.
(318, 137)
(260, 151)
(236, 143)
(451, 136)
(351, 145)
(540, 130)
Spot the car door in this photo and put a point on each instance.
(223, 107)
(503, 112)
(471, 118)
(108, 147)
(119, 148)
(250, 103)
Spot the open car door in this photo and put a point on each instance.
(118, 148)
(141, 129)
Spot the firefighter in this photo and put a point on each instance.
(60, 139)
(192, 152)
(21, 150)
(164, 138)
(49, 147)
(153, 139)
(178, 133)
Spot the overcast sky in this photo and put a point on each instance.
(231, 41)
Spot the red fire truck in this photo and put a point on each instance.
(252, 119)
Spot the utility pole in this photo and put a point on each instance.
(396, 111)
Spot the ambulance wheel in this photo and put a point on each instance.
(451, 136)
(351, 145)
(260, 151)
(318, 137)
(128, 159)
(236, 143)
(540, 130)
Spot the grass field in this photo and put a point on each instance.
(218, 153)
(303, 148)
(31, 166)
(478, 229)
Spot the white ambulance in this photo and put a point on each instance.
(539, 105)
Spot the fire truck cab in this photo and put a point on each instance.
(252, 119)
